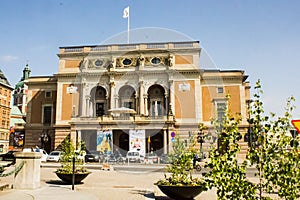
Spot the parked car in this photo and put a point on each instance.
(164, 159)
(54, 156)
(44, 155)
(99, 153)
(151, 158)
(91, 156)
(116, 158)
(42, 151)
(9, 156)
(110, 158)
(134, 156)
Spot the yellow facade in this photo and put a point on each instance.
(151, 88)
(5, 100)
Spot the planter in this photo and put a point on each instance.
(181, 192)
(68, 177)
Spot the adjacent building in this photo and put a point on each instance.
(5, 100)
(131, 97)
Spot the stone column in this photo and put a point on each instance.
(166, 104)
(112, 92)
(30, 175)
(87, 105)
(116, 97)
(165, 142)
(171, 96)
(146, 104)
(142, 106)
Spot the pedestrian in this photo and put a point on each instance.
(37, 149)
(196, 158)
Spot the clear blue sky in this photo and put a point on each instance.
(260, 37)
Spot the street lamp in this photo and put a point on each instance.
(250, 137)
(200, 139)
(44, 139)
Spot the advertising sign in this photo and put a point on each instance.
(105, 141)
(137, 141)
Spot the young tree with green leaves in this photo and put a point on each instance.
(226, 174)
(277, 163)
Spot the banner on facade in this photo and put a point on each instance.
(105, 141)
(137, 141)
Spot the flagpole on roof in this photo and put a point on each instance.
(126, 15)
(128, 27)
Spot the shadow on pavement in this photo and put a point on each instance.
(162, 198)
(60, 182)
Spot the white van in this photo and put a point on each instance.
(42, 151)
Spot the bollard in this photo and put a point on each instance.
(29, 176)
(73, 172)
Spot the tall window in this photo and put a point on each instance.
(47, 114)
(221, 109)
(156, 108)
(99, 109)
(127, 104)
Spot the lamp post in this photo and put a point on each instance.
(44, 138)
(200, 139)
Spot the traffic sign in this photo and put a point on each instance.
(173, 134)
(296, 124)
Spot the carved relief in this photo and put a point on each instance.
(126, 62)
(99, 63)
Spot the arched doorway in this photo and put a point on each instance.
(156, 141)
(157, 101)
(124, 143)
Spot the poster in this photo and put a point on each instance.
(105, 141)
(137, 141)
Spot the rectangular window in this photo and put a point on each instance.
(47, 114)
(220, 90)
(156, 108)
(99, 109)
(48, 94)
(128, 105)
(3, 123)
(221, 109)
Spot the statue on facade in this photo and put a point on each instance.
(171, 60)
(141, 60)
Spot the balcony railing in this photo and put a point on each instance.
(134, 118)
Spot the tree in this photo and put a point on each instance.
(277, 162)
(226, 174)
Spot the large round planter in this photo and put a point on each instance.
(181, 192)
(68, 177)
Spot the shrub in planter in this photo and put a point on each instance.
(180, 183)
(66, 170)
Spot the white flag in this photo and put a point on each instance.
(126, 12)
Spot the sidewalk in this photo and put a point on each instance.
(99, 184)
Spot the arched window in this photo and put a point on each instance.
(157, 101)
(127, 97)
(99, 102)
